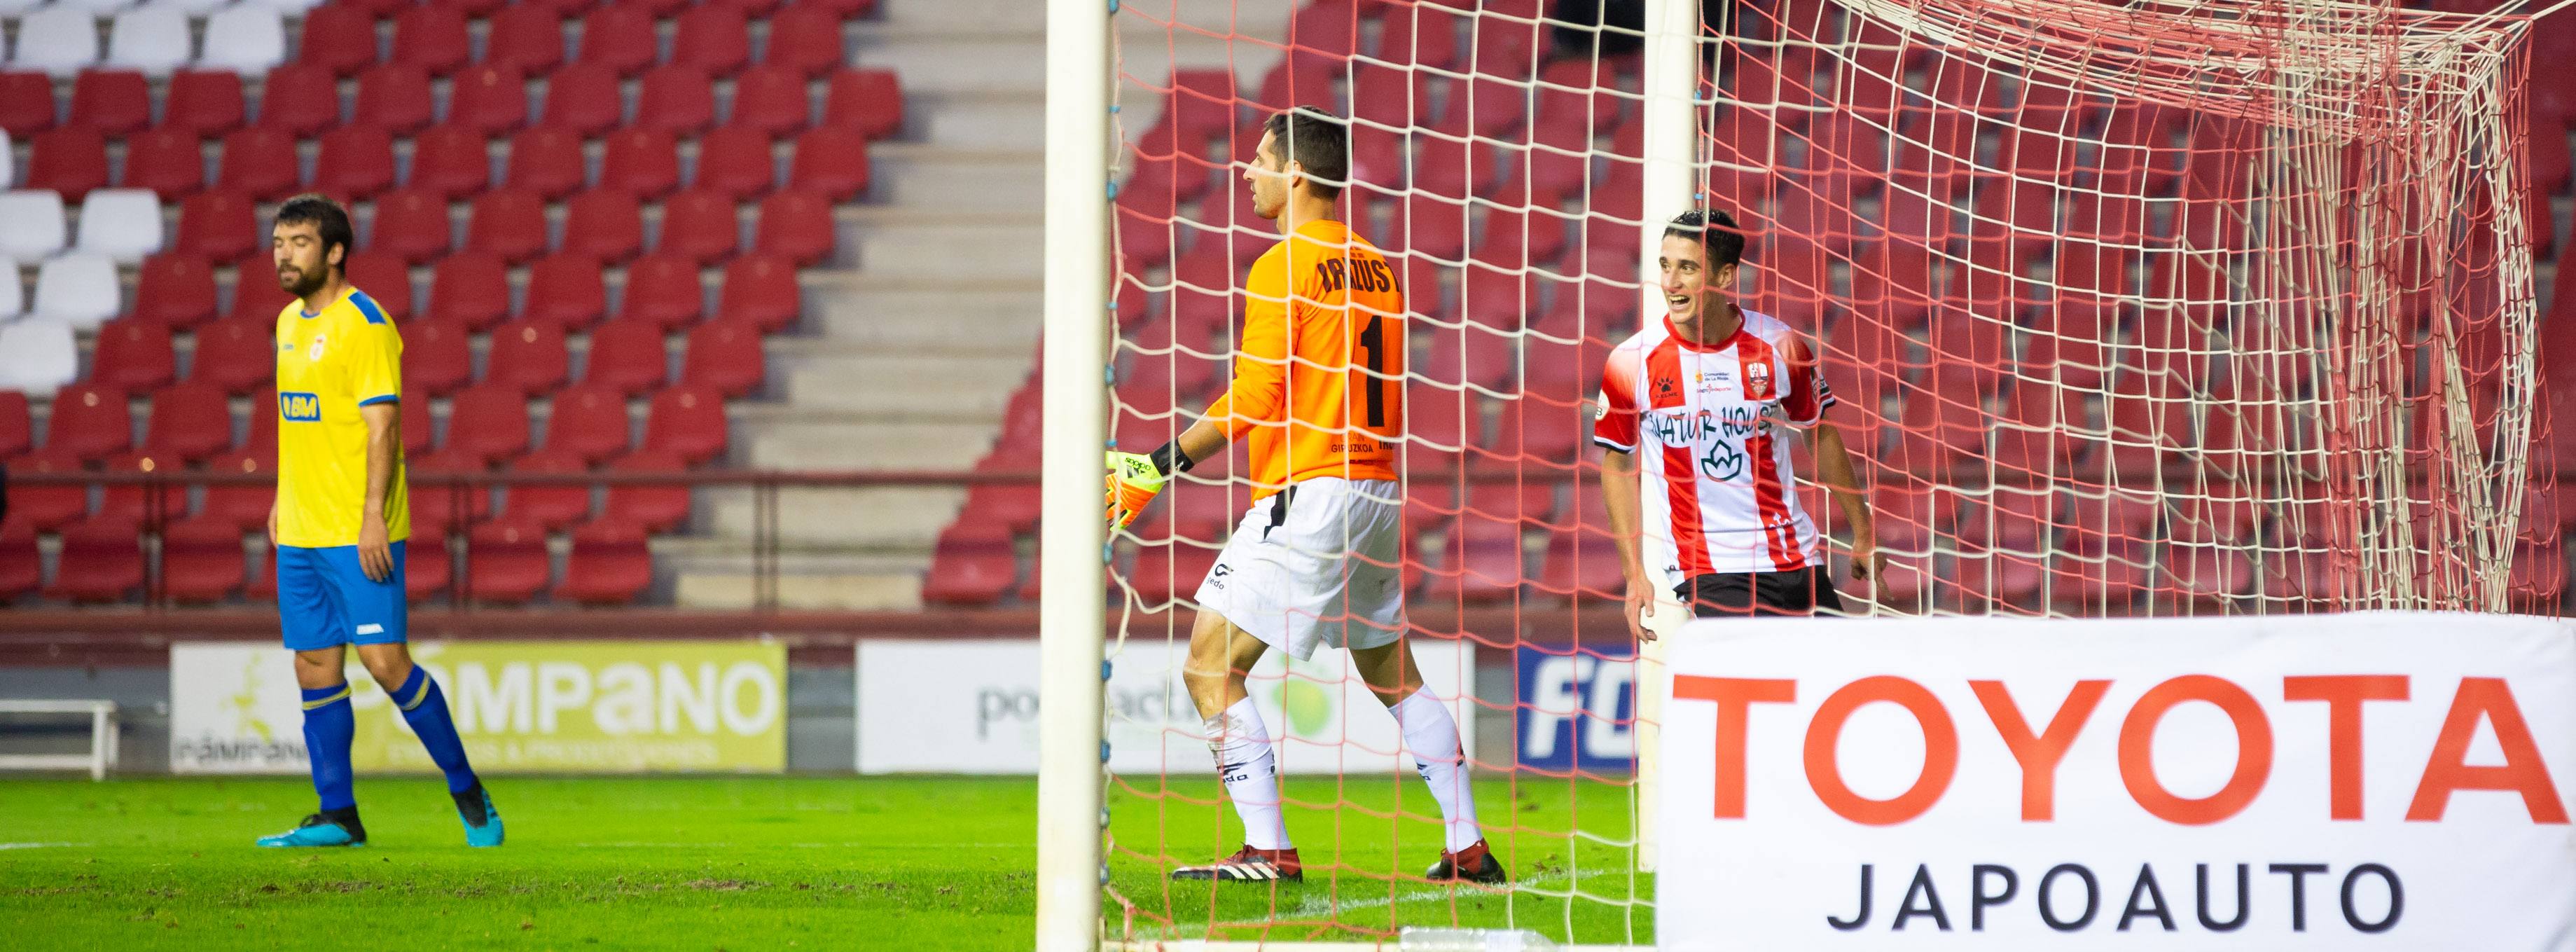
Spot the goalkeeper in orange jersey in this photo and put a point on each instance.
(1318, 394)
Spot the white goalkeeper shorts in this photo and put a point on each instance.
(1316, 564)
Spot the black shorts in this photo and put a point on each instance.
(1751, 594)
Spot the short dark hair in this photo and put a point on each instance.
(328, 218)
(1317, 141)
(1714, 230)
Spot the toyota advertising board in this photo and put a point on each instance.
(2380, 780)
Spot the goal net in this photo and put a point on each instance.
(2156, 308)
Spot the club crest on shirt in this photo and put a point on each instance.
(313, 351)
(1757, 381)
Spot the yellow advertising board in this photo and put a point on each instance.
(591, 707)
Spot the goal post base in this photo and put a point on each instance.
(1496, 944)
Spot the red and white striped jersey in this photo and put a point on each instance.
(1717, 492)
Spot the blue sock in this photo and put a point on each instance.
(329, 726)
(425, 707)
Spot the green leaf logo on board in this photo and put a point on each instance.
(1308, 708)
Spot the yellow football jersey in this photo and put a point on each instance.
(328, 365)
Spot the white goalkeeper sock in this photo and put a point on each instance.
(1251, 773)
(1432, 735)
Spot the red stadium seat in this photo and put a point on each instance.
(509, 223)
(207, 102)
(90, 422)
(431, 37)
(438, 505)
(68, 159)
(137, 502)
(701, 225)
(191, 421)
(218, 226)
(338, 37)
(604, 224)
(527, 37)
(488, 421)
(689, 421)
(663, 290)
(17, 427)
(22, 565)
(237, 355)
(394, 97)
(112, 101)
(805, 37)
(735, 160)
(244, 506)
(582, 98)
(506, 561)
(26, 101)
(300, 99)
(761, 290)
(262, 439)
(609, 565)
(385, 278)
(869, 100)
(656, 508)
(795, 224)
(641, 162)
(527, 356)
(437, 355)
(547, 161)
(355, 163)
(133, 355)
(565, 291)
(259, 162)
(175, 291)
(628, 358)
(450, 160)
(831, 161)
(418, 426)
(473, 9)
(471, 291)
(553, 507)
(974, 563)
(726, 358)
(202, 560)
(588, 423)
(101, 561)
(429, 569)
(770, 99)
(676, 98)
(490, 98)
(619, 37)
(169, 160)
(713, 38)
(47, 507)
(411, 225)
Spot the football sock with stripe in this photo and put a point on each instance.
(329, 727)
(1432, 735)
(424, 707)
(1251, 773)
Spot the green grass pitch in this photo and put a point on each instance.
(758, 863)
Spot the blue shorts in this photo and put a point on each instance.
(324, 599)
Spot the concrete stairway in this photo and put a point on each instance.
(917, 333)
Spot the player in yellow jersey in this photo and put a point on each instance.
(1318, 396)
(340, 520)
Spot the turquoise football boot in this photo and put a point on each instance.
(482, 819)
(319, 830)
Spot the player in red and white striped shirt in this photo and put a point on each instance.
(1697, 477)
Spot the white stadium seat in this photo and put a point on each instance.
(79, 289)
(8, 170)
(96, 8)
(245, 39)
(11, 8)
(121, 223)
(194, 8)
(37, 356)
(150, 40)
(31, 224)
(281, 6)
(13, 292)
(61, 40)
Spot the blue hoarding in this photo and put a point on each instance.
(1575, 710)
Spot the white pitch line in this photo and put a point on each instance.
(30, 846)
(1317, 906)
(810, 846)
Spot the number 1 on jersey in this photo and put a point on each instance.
(1373, 340)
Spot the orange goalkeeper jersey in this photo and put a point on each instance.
(1319, 369)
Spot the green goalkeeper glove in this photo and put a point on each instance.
(1135, 478)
